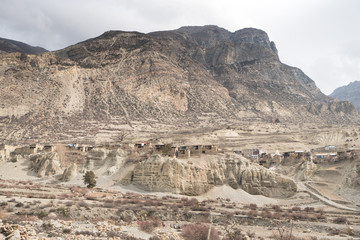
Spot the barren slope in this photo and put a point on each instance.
(173, 78)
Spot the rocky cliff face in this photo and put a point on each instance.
(172, 77)
(45, 164)
(349, 93)
(173, 175)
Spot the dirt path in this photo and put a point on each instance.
(309, 189)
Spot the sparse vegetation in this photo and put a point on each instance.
(199, 232)
(89, 179)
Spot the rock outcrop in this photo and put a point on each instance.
(70, 173)
(171, 77)
(177, 176)
(45, 164)
(104, 158)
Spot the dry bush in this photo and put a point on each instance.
(309, 209)
(266, 214)
(312, 217)
(199, 208)
(320, 211)
(252, 213)
(340, 220)
(86, 233)
(299, 216)
(277, 208)
(253, 206)
(149, 225)
(277, 215)
(199, 232)
(155, 238)
(296, 209)
(69, 203)
(234, 233)
(82, 204)
(112, 234)
(190, 202)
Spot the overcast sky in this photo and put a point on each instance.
(321, 37)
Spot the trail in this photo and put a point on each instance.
(323, 199)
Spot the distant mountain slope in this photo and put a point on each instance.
(192, 76)
(349, 93)
(7, 45)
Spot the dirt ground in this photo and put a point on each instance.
(323, 208)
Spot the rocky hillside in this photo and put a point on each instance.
(349, 93)
(173, 77)
(8, 46)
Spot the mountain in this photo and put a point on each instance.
(8, 46)
(349, 93)
(189, 77)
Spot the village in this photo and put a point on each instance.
(327, 154)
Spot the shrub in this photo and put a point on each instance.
(112, 234)
(199, 232)
(149, 225)
(252, 213)
(309, 209)
(277, 208)
(154, 238)
(20, 204)
(42, 214)
(296, 209)
(89, 179)
(235, 234)
(266, 214)
(82, 204)
(253, 206)
(340, 220)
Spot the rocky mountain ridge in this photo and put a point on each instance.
(350, 92)
(174, 78)
(9, 46)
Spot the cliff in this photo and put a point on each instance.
(176, 176)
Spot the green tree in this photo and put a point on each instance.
(89, 179)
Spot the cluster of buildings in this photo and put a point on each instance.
(320, 155)
(6, 151)
(179, 151)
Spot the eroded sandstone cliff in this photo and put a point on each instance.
(173, 175)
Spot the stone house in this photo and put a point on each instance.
(165, 150)
(183, 152)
